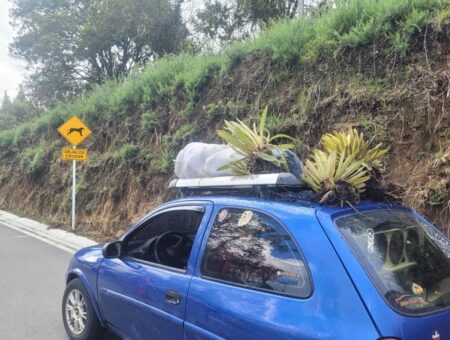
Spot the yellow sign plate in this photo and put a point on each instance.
(74, 130)
(74, 154)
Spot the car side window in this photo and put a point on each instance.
(252, 249)
(166, 239)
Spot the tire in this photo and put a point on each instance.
(77, 310)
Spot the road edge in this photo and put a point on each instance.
(58, 238)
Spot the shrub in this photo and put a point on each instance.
(172, 143)
(33, 161)
(149, 120)
(127, 152)
(341, 172)
(256, 145)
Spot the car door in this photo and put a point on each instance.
(142, 294)
(253, 282)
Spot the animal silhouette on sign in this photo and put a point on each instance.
(79, 130)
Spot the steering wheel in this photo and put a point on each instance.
(172, 249)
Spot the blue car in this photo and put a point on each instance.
(255, 258)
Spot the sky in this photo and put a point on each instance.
(12, 71)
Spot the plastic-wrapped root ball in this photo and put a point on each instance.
(197, 160)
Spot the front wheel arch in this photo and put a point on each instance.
(78, 274)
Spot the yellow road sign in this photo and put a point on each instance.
(74, 154)
(74, 130)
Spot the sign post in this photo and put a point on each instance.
(74, 131)
(74, 190)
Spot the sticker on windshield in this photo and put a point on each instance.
(370, 234)
(222, 215)
(245, 218)
(438, 237)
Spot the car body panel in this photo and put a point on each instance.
(389, 321)
(132, 292)
(84, 265)
(222, 310)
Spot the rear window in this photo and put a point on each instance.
(408, 260)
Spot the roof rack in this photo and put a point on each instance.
(279, 186)
(283, 179)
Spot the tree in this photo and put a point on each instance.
(72, 44)
(219, 21)
(223, 21)
(16, 111)
(264, 12)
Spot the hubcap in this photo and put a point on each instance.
(76, 314)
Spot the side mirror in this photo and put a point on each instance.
(112, 250)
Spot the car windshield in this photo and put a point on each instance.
(408, 259)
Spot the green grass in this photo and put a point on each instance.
(355, 24)
(438, 195)
(441, 18)
(33, 161)
(172, 143)
(127, 152)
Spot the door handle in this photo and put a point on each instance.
(173, 297)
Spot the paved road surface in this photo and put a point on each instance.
(31, 288)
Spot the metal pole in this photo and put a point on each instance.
(74, 187)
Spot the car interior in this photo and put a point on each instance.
(166, 239)
(413, 261)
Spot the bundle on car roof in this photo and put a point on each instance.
(342, 170)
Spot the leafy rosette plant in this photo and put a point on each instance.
(260, 154)
(336, 179)
(353, 143)
(342, 172)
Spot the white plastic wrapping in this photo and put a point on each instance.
(198, 160)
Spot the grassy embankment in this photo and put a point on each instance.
(380, 65)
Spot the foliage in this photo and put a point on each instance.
(298, 40)
(149, 121)
(342, 171)
(352, 143)
(14, 112)
(254, 144)
(442, 18)
(438, 195)
(351, 24)
(218, 21)
(221, 21)
(325, 169)
(171, 145)
(33, 161)
(266, 12)
(72, 45)
(127, 152)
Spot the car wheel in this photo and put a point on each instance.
(80, 320)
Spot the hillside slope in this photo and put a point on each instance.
(382, 66)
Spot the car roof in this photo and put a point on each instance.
(274, 203)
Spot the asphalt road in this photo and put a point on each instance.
(31, 288)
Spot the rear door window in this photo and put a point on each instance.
(252, 249)
(408, 260)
